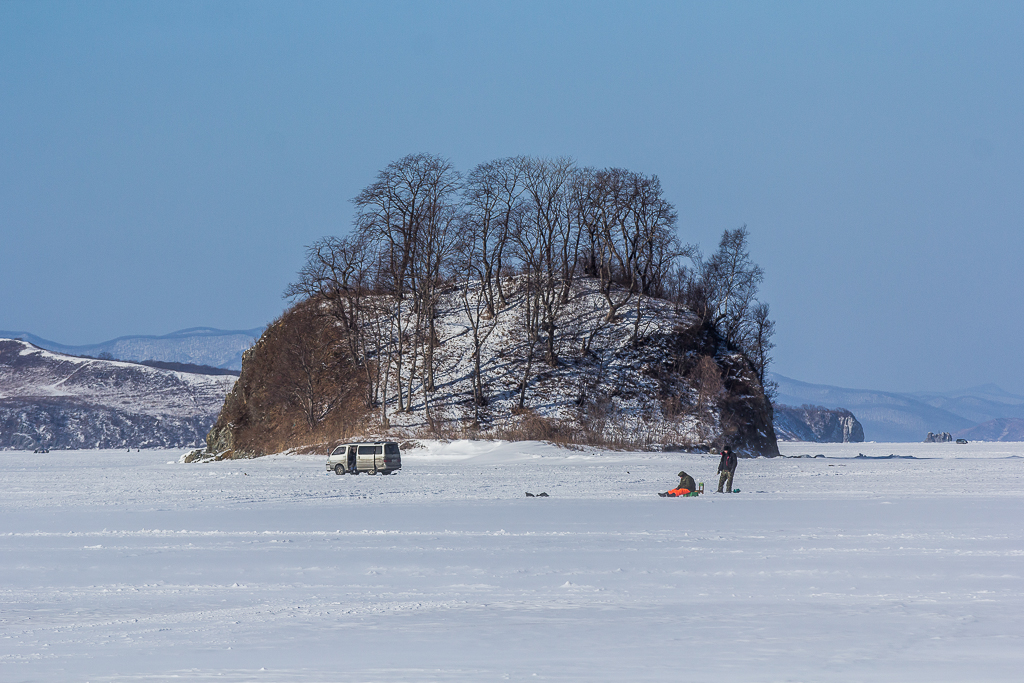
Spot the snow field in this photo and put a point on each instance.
(118, 566)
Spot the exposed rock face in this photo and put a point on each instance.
(944, 437)
(817, 424)
(55, 401)
(605, 389)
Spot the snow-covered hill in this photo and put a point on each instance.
(627, 382)
(53, 400)
(196, 345)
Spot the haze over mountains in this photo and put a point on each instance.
(984, 412)
(195, 345)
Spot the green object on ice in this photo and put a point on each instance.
(735, 490)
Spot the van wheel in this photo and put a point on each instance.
(338, 469)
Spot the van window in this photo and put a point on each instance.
(391, 449)
(370, 450)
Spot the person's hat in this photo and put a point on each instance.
(681, 474)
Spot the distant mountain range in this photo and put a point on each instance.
(52, 400)
(1000, 429)
(892, 416)
(196, 345)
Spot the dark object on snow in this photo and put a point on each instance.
(538, 495)
(961, 441)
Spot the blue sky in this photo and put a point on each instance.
(163, 165)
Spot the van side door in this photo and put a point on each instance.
(365, 458)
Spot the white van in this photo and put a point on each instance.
(382, 457)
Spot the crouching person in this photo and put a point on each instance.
(686, 486)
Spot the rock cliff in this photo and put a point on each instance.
(817, 424)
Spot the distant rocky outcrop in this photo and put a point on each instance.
(1001, 429)
(817, 424)
(942, 437)
(885, 416)
(50, 400)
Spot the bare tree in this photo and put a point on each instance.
(407, 212)
(540, 230)
(759, 345)
(438, 239)
(609, 208)
(730, 280)
(491, 199)
(337, 273)
(649, 243)
(724, 293)
(474, 303)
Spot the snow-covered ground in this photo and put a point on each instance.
(118, 567)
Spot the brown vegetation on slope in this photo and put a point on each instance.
(297, 387)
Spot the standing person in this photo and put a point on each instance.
(726, 470)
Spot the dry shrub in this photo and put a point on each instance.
(294, 394)
(533, 427)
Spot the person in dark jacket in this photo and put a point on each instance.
(686, 486)
(726, 470)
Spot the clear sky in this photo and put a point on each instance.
(163, 165)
